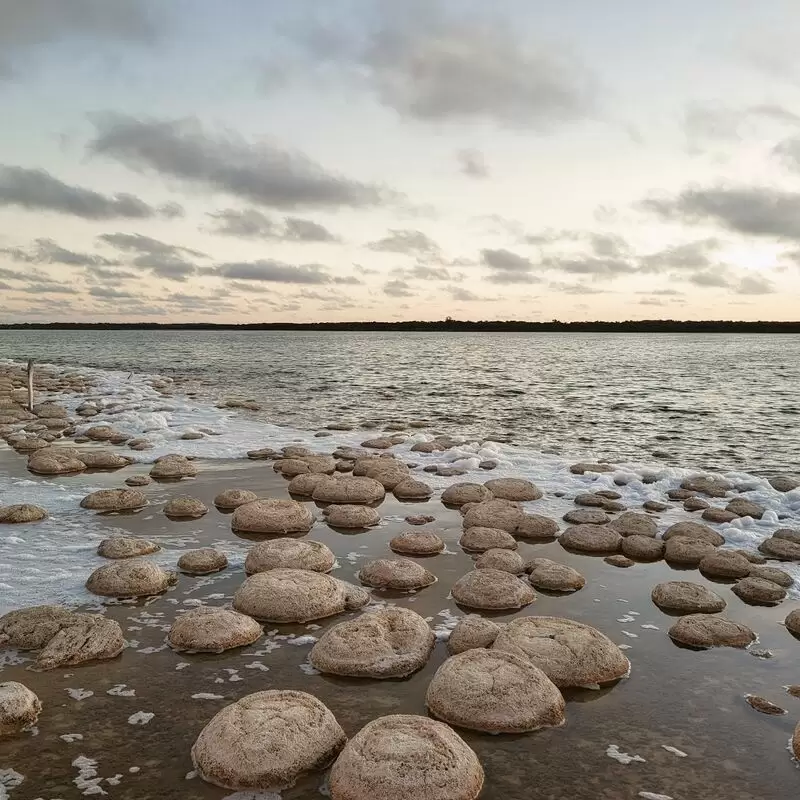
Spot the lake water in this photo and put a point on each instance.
(702, 401)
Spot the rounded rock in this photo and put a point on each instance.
(719, 515)
(138, 480)
(303, 485)
(504, 560)
(687, 552)
(126, 547)
(494, 692)
(350, 517)
(550, 576)
(570, 653)
(724, 564)
(114, 500)
(784, 483)
(459, 494)
(536, 528)
(54, 462)
(15, 515)
(89, 637)
(684, 597)
(782, 549)
(31, 628)
(515, 489)
(630, 523)
(772, 574)
(643, 548)
(708, 630)
(707, 484)
(395, 573)
(582, 467)
(173, 467)
(266, 741)
(503, 514)
(412, 543)
(410, 489)
(743, 507)
(185, 507)
(792, 622)
(758, 591)
(471, 632)
(233, 498)
(492, 590)
(349, 490)
(130, 578)
(586, 516)
(388, 643)
(103, 459)
(479, 540)
(212, 630)
(598, 539)
(404, 757)
(203, 561)
(289, 554)
(619, 561)
(272, 517)
(19, 708)
(694, 530)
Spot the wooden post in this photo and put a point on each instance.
(30, 384)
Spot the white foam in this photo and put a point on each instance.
(613, 751)
(140, 718)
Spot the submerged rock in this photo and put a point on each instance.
(709, 630)
(785, 483)
(266, 741)
(743, 507)
(403, 757)
(725, 564)
(630, 523)
(459, 494)
(417, 544)
(212, 630)
(349, 490)
(792, 622)
(763, 705)
(586, 516)
(14, 515)
(19, 708)
(643, 548)
(289, 554)
(351, 517)
(492, 590)
(694, 530)
(138, 480)
(471, 632)
(90, 637)
(272, 517)
(619, 561)
(388, 643)
(598, 539)
(495, 692)
(504, 560)
(395, 573)
(758, 591)
(173, 467)
(516, 489)
(130, 578)
(126, 547)
(570, 653)
(204, 561)
(114, 500)
(479, 540)
(233, 498)
(551, 576)
(686, 598)
(582, 467)
(503, 514)
(185, 507)
(536, 528)
(31, 628)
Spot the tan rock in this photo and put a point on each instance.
(472, 631)
(631, 523)
(643, 548)
(114, 500)
(693, 530)
(743, 507)
(724, 564)
(550, 576)
(351, 517)
(90, 637)
(695, 504)
(267, 741)
(586, 516)
(101, 433)
(582, 467)
(395, 573)
(303, 485)
(414, 543)
(31, 628)
(619, 561)
(130, 578)
(782, 549)
(686, 598)
(785, 483)
(233, 498)
(759, 592)
(402, 757)
(185, 507)
(138, 480)
(272, 517)
(687, 552)
(389, 472)
(288, 553)
(503, 514)
(203, 561)
(19, 708)
(290, 595)
(173, 467)
(54, 461)
(591, 539)
(710, 630)
(763, 705)
(718, 515)
(772, 574)
(103, 459)
(492, 590)
(459, 494)
(504, 560)
(349, 490)
(212, 630)
(388, 643)
(710, 485)
(126, 547)
(792, 622)
(14, 515)
(516, 489)
(479, 540)
(410, 489)
(495, 692)
(536, 528)
(570, 653)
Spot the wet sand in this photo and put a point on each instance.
(692, 701)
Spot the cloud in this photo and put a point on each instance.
(755, 285)
(751, 210)
(508, 267)
(598, 268)
(48, 288)
(411, 242)
(609, 245)
(433, 61)
(6, 286)
(463, 295)
(107, 293)
(272, 271)
(714, 277)
(251, 223)
(46, 251)
(423, 272)
(362, 270)
(397, 289)
(692, 255)
(261, 172)
(575, 288)
(162, 259)
(31, 24)
(38, 190)
(472, 163)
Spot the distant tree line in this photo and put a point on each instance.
(554, 326)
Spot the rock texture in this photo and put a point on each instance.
(502, 514)
(173, 467)
(130, 578)
(114, 500)
(31, 628)
(479, 540)
(289, 554)
(126, 547)
(14, 515)
(233, 498)
(204, 561)
(598, 539)
(414, 543)
(272, 517)
(497, 558)
(725, 564)
(402, 757)
(351, 517)
(686, 598)
(185, 507)
(551, 576)
(349, 490)
(631, 523)
(642, 548)
(91, 637)
(495, 692)
(266, 741)
(709, 630)
(492, 590)
(459, 494)
(759, 592)
(516, 489)
(568, 652)
(388, 643)
(19, 708)
(395, 573)
(471, 632)
(212, 630)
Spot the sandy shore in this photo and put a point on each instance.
(692, 701)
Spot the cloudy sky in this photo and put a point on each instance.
(265, 160)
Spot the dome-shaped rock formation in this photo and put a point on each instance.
(631, 523)
(550, 576)
(597, 539)
(710, 630)
(130, 578)
(13, 515)
(212, 630)
(413, 543)
(502, 514)
(272, 517)
(203, 561)
(233, 498)
(479, 540)
(686, 598)
(471, 632)
(185, 507)
(349, 490)
(459, 494)
(504, 560)
(349, 517)
(114, 500)
(126, 547)
(395, 573)
(516, 489)
(492, 590)
(89, 637)
(19, 708)
(289, 554)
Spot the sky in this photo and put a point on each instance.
(273, 161)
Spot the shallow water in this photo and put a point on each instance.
(692, 701)
(703, 401)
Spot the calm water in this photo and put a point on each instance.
(693, 400)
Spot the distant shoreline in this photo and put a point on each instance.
(448, 325)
